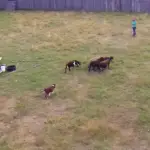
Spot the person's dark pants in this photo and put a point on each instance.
(134, 31)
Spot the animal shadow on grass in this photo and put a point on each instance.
(42, 96)
(3, 74)
(97, 71)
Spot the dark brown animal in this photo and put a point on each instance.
(71, 64)
(48, 91)
(105, 64)
(104, 58)
(95, 63)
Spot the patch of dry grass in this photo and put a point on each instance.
(89, 111)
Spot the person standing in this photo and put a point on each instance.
(134, 27)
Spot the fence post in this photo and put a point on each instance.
(118, 5)
(11, 5)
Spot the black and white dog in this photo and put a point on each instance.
(71, 64)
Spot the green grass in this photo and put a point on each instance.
(89, 111)
(4, 146)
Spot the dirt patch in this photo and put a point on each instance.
(94, 124)
(7, 113)
(96, 128)
(27, 129)
(7, 105)
(124, 121)
(80, 89)
(82, 147)
(82, 92)
(123, 117)
(132, 76)
(30, 130)
(137, 80)
(57, 109)
(33, 124)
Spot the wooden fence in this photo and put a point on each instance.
(78, 5)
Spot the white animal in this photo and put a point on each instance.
(2, 68)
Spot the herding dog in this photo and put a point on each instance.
(71, 64)
(48, 91)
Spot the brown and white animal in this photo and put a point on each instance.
(95, 64)
(48, 91)
(72, 64)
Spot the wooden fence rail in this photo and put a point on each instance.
(78, 5)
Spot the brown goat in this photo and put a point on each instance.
(95, 63)
(105, 64)
(104, 58)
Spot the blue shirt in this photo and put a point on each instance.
(133, 24)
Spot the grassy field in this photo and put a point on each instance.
(89, 111)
